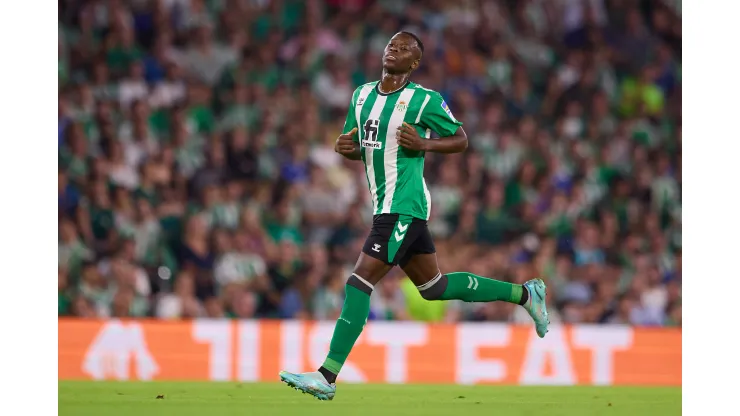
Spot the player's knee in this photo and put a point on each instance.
(426, 294)
(371, 269)
(359, 283)
(435, 288)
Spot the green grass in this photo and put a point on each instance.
(81, 398)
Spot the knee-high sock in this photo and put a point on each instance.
(471, 288)
(354, 315)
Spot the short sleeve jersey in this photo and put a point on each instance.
(395, 175)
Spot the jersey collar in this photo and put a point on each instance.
(377, 88)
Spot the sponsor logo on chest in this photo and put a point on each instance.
(372, 144)
(370, 138)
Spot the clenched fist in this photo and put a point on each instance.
(345, 143)
(408, 137)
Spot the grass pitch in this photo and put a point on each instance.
(82, 398)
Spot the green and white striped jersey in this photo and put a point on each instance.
(395, 175)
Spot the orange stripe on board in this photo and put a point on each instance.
(388, 352)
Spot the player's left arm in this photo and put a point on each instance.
(456, 143)
(435, 116)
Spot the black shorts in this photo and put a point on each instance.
(395, 238)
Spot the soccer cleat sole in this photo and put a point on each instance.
(317, 395)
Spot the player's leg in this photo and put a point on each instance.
(389, 239)
(422, 269)
(378, 256)
(367, 273)
(321, 383)
(420, 265)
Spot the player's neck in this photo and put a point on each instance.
(390, 83)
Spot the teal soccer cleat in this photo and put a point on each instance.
(312, 383)
(536, 305)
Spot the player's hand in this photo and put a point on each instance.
(409, 138)
(345, 144)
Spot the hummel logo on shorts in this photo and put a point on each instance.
(401, 232)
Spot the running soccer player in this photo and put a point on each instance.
(388, 127)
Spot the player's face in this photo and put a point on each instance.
(401, 55)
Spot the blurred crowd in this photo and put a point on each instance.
(197, 176)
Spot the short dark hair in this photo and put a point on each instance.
(416, 38)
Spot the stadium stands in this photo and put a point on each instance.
(197, 176)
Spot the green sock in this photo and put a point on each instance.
(354, 315)
(473, 288)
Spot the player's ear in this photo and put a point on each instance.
(415, 64)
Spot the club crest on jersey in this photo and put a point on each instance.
(447, 110)
(402, 106)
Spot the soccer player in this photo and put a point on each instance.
(388, 127)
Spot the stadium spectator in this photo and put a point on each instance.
(197, 176)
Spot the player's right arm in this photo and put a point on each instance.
(348, 144)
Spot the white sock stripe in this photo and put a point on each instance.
(430, 283)
(363, 281)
